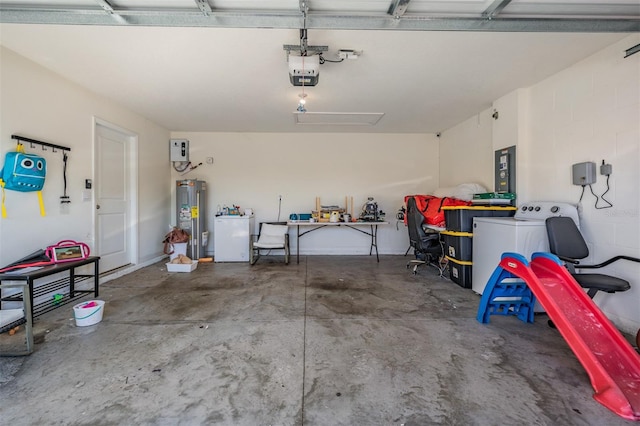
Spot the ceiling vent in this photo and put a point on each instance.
(338, 118)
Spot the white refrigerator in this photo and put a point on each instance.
(231, 238)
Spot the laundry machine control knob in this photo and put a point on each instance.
(537, 208)
(555, 209)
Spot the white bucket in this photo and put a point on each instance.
(88, 315)
(178, 248)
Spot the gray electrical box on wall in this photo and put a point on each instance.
(505, 169)
(584, 173)
(179, 150)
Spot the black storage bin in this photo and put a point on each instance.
(460, 272)
(458, 245)
(460, 218)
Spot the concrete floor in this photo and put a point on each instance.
(331, 341)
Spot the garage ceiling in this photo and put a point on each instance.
(206, 65)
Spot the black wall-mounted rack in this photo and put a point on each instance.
(43, 144)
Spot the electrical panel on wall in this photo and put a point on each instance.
(505, 170)
(179, 150)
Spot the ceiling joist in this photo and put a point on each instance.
(397, 18)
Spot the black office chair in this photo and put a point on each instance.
(426, 245)
(566, 242)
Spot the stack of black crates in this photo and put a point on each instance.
(458, 237)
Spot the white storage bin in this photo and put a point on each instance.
(179, 267)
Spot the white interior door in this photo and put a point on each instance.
(113, 197)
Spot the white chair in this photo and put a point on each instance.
(10, 318)
(272, 236)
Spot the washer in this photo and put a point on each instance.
(524, 233)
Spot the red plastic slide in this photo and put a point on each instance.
(611, 363)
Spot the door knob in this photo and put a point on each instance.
(98, 206)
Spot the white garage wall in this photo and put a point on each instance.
(588, 112)
(254, 169)
(466, 153)
(39, 104)
(591, 112)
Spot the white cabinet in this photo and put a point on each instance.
(231, 238)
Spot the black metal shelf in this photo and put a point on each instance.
(69, 282)
(49, 305)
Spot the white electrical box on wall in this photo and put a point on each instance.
(179, 150)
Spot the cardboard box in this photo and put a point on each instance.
(178, 267)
